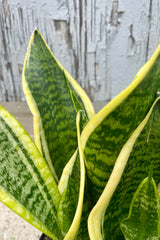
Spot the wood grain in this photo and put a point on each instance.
(101, 43)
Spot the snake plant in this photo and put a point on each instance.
(87, 176)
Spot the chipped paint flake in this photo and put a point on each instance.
(101, 43)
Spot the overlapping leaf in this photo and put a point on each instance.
(28, 187)
(48, 95)
(131, 167)
(71, 204)
(26, 184)
(144, 215)
(55, 99)
(105, 135)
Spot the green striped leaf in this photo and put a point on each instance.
(69, 173)
(144, 219)
(26, 183)
(71, 204)
(105, 135)
(83, 229)
(49, 99)
(78, 104)
(139, 153)
(69, 199)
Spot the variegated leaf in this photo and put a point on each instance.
(143, 221)
(104, 136)
(71, 203)
(131, 167)
(26, 183)
(48, 97)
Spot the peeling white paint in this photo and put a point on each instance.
(101, 43)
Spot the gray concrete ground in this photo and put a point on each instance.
(12, 227)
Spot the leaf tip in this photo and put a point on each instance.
(150, 174)
(36, 31)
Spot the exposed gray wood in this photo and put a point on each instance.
(154, 34)
(127, 43)
(101, 43)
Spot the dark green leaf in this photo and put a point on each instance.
(144, 219)
(50, 102)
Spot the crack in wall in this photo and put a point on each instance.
(149, 31)
(115, 14)
(89, 38)
(6, 25)
(131, 43)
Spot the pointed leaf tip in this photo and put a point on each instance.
(143, 220)
(51, 104)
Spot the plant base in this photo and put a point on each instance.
(44, 237)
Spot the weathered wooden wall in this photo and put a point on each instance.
(101, 43)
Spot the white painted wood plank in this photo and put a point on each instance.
(101, 43)
(154, 35)
(127, 43)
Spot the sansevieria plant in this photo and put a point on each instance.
(87, 176)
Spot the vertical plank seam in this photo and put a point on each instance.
(149, 30)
